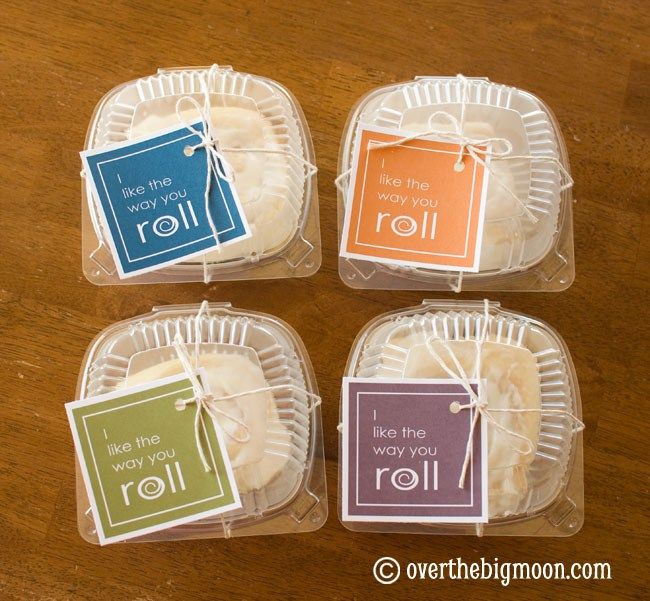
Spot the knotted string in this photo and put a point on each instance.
(209, 141)
(480, 149)
(204, 401)
(479, 401)
(208, 402)
(216, 160)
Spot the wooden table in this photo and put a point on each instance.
(588, 60)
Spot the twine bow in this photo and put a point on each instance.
(480, 149)
(208, 402)
(479, 401)
(204, 401)
(217, 162)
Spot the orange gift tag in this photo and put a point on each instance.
(408, 205)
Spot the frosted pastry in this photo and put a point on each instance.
(263, 456)
(263, 137)
(511, 239)
(512, 383)
(527, 175)
(272, 437)
(531, 413)
(259, 177)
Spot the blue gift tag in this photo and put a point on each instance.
(152, 200)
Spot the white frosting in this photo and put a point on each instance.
(255, 462)
(511, 239)
(512, 383)
(261, 179)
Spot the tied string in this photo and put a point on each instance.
(209, 139)
(207, 402)
(217, 162)
(479, 402)
(482, 150)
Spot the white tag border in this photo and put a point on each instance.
(345, 408)
(103, 539)
(108, 235)
(372, 258)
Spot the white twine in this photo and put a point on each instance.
(208, 402)
(216, 160)
(475, 147)
(479, 401)
(459, 283)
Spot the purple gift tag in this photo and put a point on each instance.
(403, 452)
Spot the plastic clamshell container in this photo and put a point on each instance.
(278, 193)
(294, 497)
(516, 253)
(553, 504)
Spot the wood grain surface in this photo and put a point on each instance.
(588, 59)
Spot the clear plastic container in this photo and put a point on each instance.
(279, 194)
(542, 497)
(282, 491)
(517, 252)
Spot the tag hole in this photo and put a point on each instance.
(180, 405)
(188, 151)
(459, 166)
(454, 407)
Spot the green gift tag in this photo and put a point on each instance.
(140, 463)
